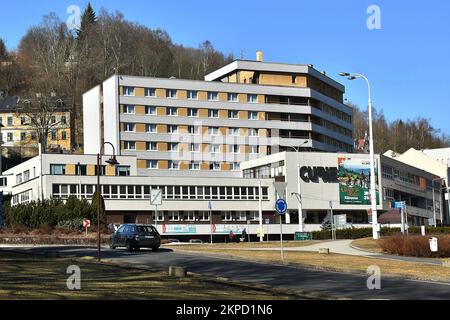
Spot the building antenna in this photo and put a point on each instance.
(242, 55)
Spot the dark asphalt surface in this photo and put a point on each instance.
(306, 280)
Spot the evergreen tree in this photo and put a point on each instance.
(3, 51)
(88, 18)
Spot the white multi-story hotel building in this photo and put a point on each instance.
(243, 111)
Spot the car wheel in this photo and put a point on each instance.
(154, 249)
(137, 248)
(129, 246)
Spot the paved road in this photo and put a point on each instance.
(323, 282)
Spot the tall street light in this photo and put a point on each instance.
(301, 226)
(373, 194)
(112, 161)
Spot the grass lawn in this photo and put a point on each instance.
(336, 262)
(367, 244)
(32, 277)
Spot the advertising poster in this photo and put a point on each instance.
(354, 181)
(179, 229)
(226, 228)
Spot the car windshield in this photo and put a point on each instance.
(147, 230)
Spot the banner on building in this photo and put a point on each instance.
(226, 228)
(179, 229)
(354, 181)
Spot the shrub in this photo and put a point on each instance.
(415, 246)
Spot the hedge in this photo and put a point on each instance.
(357, 233)
(67, 214)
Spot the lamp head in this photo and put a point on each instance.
(112, 161)
(351, 78)
(344, 74)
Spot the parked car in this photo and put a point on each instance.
(195, 241)
(174, 241)
(135, 236)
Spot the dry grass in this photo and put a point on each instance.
(28, 277)
(368, 244)
(337, 262)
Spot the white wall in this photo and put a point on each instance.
(91, 120)
(111, 114)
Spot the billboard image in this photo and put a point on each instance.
(354, 181)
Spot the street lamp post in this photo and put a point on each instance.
(112, 161)
(373, 194)
(299, 189)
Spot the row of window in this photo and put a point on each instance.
(406, 177)
(25, 121)
(25, 176)
(177, 216)
(63, 191)
(191, 112)
(193, 147)
(192, 130)
(191, 94)
(33, 136)
(193, 165)
(81, 170)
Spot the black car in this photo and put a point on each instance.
(135, 236)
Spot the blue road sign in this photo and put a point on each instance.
(399, 204)
(281, 206)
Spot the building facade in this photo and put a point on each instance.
(243, 111)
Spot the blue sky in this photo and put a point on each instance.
(407, 61)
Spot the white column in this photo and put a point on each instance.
(261, 239)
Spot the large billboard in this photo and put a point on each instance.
(354, 181)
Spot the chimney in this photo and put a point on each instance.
(259, 56)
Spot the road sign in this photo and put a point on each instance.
(86, 223)
(267, 221)
(281, 206)
(399, 204)
(156, 197)
(302, 236)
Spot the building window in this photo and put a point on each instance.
(213, 113)
(81, 169)
(174, 216)
(193, 129)
(189, 216)
(53, 135)
(57, 169)
(253, 115)
(33, 136)
(122, 171)
(9, 136)
(213, 131)
(241, 216)
(10, 121)
(254, 149)
(233, 114)
(19, 178)
(173, 129)
(214, 166)
(233, 131)
(192, 112)
(150, 128)
(129, 145)
(171, 93)
(23, 120)
(63, 120)
(172, 111)
(129, 127)
(23, 136)
(232, 97)
(150, 110)
(152, 164)
(252, 132)
(252, 98)
(195, 147)
(128, 109)
(173, 146)
(235, 148)
(150, 92)
(227, 216)
(194, 166)
(128, 91)
(254, 216)
(235, 166)
(53, 119)
(63, 135)
(203, 216)
(173, 165)
(192, 95)
(214, 148)
(213, 96)
(152, 146)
